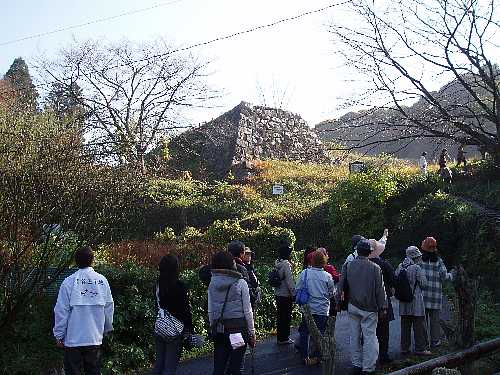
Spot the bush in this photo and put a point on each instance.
(29, 348)
(481, 185)
(131, 344)
(149, 253)
(357, 205)
(264, 240)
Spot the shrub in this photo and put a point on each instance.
(264, 240)
(149, 253)
(29, 348)
(166, 236)
(357, 205)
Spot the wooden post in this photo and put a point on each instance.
(466, 290)
(445, 371)
(453, 359)
(325, 343)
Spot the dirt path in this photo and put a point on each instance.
(487, 212)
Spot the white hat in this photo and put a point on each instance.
(413, 252)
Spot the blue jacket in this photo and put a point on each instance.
(321, 289)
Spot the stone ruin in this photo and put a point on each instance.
(246, 133)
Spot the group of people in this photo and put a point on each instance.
(364, 289)
(84, 308)
(444, 158)
(366, 285)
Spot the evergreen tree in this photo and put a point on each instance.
(65, 101)
(19, 78)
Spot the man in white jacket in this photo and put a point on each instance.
(83, 314)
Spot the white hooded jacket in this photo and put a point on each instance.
(84, 309)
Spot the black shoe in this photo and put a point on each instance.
(356, 370)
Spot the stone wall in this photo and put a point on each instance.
(246, 133)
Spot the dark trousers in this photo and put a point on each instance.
(320, 321)
(168, 355)
(419, 333)
(284, 307)
(227, 361)
(383, 337)
(86, 357)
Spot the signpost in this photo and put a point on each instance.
(356, 167)
(278, 189)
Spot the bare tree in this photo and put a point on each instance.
(407, 49)
(133, 93)
(273, 95)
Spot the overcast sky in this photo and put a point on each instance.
(292, 61)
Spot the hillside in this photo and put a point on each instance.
(386, 130)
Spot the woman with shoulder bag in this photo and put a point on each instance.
(230, 315)
(172, 296)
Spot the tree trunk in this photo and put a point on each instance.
(325, 343)
(466, 290)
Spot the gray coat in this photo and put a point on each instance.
(238, 301)
(365, 282)
(287, 286)
(414, 272)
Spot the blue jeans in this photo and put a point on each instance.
(320, 321)
(168, 355)
(227, 361)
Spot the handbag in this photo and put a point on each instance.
(302, 296)
(167, 326)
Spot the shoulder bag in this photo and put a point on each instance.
(167, 326)
(302, 296)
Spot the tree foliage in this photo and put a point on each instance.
(19, 78)
(52, 199)
(65, 102)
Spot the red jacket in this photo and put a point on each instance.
(328, 268)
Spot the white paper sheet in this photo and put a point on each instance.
(236, 340)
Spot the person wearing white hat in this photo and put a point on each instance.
(413, 313)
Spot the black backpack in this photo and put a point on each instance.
(273, 278)
(403, 291)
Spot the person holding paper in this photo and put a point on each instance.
(83, 314)
(230, 315)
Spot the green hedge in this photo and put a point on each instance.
(357, 205)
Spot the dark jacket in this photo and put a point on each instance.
(253, 283)
(241, 268)
(176, 301)
(389, 282)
